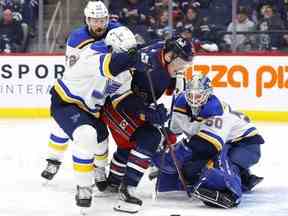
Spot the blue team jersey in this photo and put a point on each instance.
(159, 74)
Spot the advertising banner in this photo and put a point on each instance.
(255, 83)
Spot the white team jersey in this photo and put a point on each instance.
(217, 124)
(88, 81)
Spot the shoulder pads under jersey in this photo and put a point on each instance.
(180, 104)
(80, 37)
(213, 107)
(100, 47)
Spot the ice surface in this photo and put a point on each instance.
(22, 158)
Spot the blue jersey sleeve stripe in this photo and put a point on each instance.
(249, 131)
(82, 161)
(100, 65)
(58, 139)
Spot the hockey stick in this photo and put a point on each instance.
(171, 147)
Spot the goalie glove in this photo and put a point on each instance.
(214, 198)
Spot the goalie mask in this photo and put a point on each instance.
(96, 17)
(198, 90)
(121, 39)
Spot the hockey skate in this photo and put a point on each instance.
(127, 202)
(51, 169)
(100, 178)
(249, 181)
(112, 188)
(83, 196)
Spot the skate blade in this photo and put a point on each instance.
(45, 182)
(122, 206)
(154, 192)
(84, 211)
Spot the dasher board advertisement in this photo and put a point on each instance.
(256, 84)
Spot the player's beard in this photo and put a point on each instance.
(99, 32)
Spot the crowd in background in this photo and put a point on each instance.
(206, 21)
(17, 24)
(202, 21)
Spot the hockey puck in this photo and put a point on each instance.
(175, 215)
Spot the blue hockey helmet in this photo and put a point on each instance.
(180, 47)
(197, 92)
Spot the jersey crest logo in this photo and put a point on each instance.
(75, 118)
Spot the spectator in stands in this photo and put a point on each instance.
(164, 4)
(243, 42)
(161, 5)
(271, 21)
(284, 43)
(278, 5)
(197, 24)
(134, 14)
(16, 6)
(218, 12)
(30, 15)
(11, 33)
(161, 29)
(126, 10)
(1, 12)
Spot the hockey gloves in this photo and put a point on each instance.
(156, 115)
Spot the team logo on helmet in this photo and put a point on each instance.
(180, 41)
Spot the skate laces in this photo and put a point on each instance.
(84, 192)
(100, 174)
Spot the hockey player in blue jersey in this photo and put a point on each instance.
(220, 146)
(134, 122)
(96, 28)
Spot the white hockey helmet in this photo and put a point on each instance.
(121, 39)
(96, 9)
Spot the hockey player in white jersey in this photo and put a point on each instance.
(96, 28)
(77, 100)
(220, 146)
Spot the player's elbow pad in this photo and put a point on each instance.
(202, 149)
